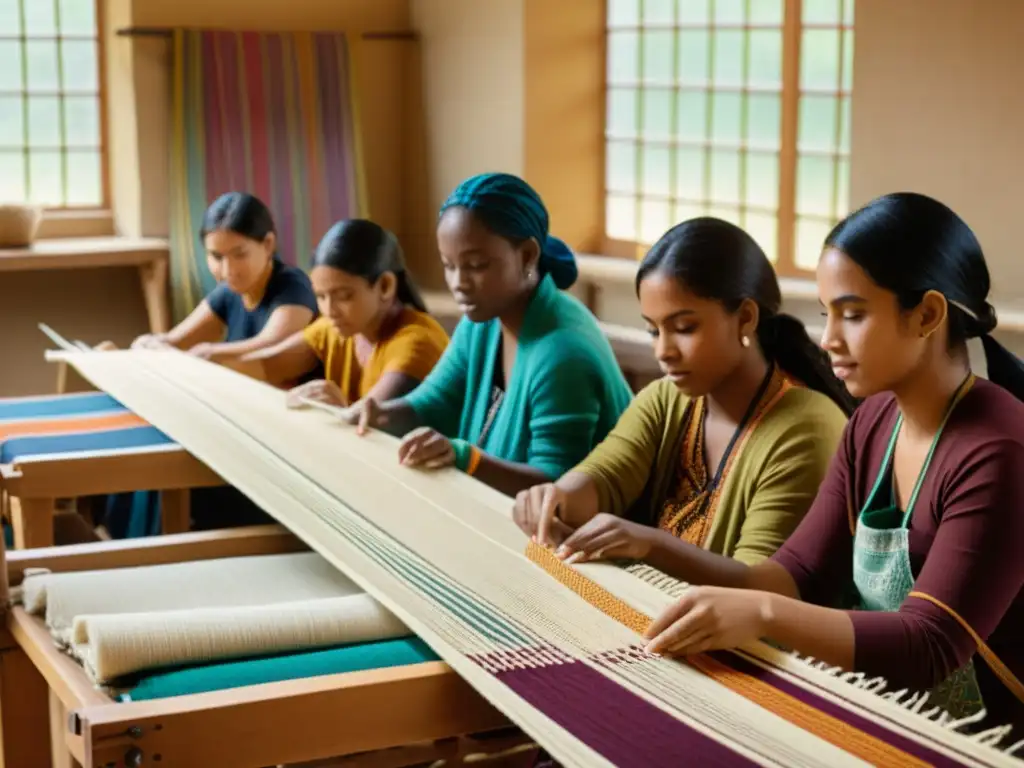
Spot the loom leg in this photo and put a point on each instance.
(175, 511)
(32, 520)
(60, 756)
(24, 713)
(154, 291)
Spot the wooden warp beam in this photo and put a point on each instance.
(441, 552)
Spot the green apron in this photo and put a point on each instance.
(881, 563)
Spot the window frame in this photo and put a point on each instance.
(789, 154)
(89, 219)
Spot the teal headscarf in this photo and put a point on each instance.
(510, 207)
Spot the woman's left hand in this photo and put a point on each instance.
(607, 536)
(710, 618)
(204, 351)
(426, 448)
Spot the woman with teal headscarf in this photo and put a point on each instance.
(529, 384)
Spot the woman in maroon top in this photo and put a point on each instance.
(919, 524)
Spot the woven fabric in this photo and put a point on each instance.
(442, 553)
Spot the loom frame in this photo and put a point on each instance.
(287, 722)
(34, 484)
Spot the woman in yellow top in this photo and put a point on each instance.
(374, 338)
(727, 451)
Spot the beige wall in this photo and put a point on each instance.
(938, 108)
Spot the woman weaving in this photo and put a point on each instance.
(374, 337)
(529, 383)
(259, 300)
(921, 508)
(727, 451)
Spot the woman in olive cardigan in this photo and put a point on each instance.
(728, 450)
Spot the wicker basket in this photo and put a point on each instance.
(18, 225)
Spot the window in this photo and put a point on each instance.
(738, 109)
(51, 123)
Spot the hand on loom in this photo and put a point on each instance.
(151, 341)
(607, 536)
(536, 513)
(710, 618)
(321, 391)
(426, 448)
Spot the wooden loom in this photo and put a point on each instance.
(441, 552)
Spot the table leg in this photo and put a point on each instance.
(32, 520)
(175, 511)
(24, 717)
(61, 757)
(154, 291)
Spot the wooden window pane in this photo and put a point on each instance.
(814, 185)
(622, 57)
(621, 118)
(84, 186)
(39, 17)
(810, 237)
(623, 13)
(12, 177)
(762, 180)
(657, 113)
(693, 57)
(819, 59)
(691, 119)
(725, 176)
(690, 173)
(45, 182)
(81, 120)
(767, 12)
(658, 55)
(764, 120)
(621, 161)
(764, 228)
(821, 12)
(11, 124)
(620, 217)
(42, 65)
(765, 66)
(727, 109)
(728, 57)
(659, 11)
(729, 12)
(694, 11)
(657, 169)
(44, 121)
(10, 65)
(817, 123)
(78, 17)
(80, 71)
(655, 219)
(685, 211)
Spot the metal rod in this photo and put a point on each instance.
(167, 32)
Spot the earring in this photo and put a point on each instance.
(745, 342)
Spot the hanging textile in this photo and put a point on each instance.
(554, 647)
(274, 115)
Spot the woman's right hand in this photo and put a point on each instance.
(320, 391)
(150, 341)
(536, 512)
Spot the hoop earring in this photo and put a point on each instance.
(745, 342)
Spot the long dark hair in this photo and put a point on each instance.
(367, 250)
(910, 244)
(241, 213)
(719, 261)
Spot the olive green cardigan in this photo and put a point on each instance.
(767, 491)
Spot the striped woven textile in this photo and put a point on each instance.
(270, 114)
(556, 650)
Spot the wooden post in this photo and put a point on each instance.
(153, 276)
(32, 520)
(175, 511)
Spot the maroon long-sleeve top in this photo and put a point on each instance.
(966, 547)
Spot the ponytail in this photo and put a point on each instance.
(785, 342)
(408, 293)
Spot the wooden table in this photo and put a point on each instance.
(50, 714)
(148, 255)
